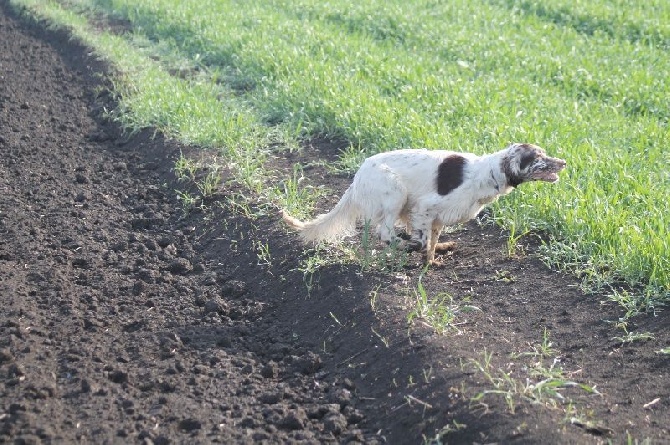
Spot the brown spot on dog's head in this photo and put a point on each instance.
(528, 162)
(450, 174)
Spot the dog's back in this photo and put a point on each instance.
(415, 169)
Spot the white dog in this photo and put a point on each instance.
(427, 190)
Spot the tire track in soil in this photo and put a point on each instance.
(126, 321)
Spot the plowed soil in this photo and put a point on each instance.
(125, 319)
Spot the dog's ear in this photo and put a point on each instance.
(517, 158)
(527, 157)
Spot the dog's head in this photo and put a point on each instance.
(528, 162)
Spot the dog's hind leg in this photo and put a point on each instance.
(387, 231)
(421, 235)
(388, 209)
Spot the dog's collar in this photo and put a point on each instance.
(495, 181)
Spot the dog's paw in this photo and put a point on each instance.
(447, 246)
(404, 236)
(412, 245)
(435, 263)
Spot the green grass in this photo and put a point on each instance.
(439, 312)
(537, 378)
(585, 79)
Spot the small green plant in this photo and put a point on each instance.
(634, 303)
(292, 196)
(381, 337)
(512, 243)
(630, 337)
(350, 159)
(438, 312)
(240, 204)
(542, 350)
(263, 253)
(185, 168)
(665, 351)
(427, 374)
(373, 298)
(390, 258)
(188, 201)
(394, 257)
(504, 276)
(210, 183)
(312, 260)
(452, 427)
(543, 383)
(630, 440)
(584, 418)
(366, 251)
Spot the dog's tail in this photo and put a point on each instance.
(330, 226)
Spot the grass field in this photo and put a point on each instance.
(587, 80)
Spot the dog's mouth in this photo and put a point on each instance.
(547, 170)
(545, 176)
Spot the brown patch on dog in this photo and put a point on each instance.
(450, 174)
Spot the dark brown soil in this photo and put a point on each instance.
(126, 320)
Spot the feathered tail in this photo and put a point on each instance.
(330, 226)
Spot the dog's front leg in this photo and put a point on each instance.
(434, 237)
(422, 239)
(436, 246)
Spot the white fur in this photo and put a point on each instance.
(401, 187)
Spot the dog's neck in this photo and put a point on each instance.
(493, 174)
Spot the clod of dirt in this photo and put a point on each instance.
(41, 392)
(86, 386)
(82, 196)
(118, 376)
(6, 356)
(353, 415)
(217, 306)
(270, 371)
(180, 266)
(15, 370)
(120, 166)
(233, 289)
(224, 342)
(81, 178)
(307, 364)
(189, 425)
(341, 396)
(269, 398)
(335, 423)
(295, 419)
(82, 263)
(169, 342)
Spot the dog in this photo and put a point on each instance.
(427, 190)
